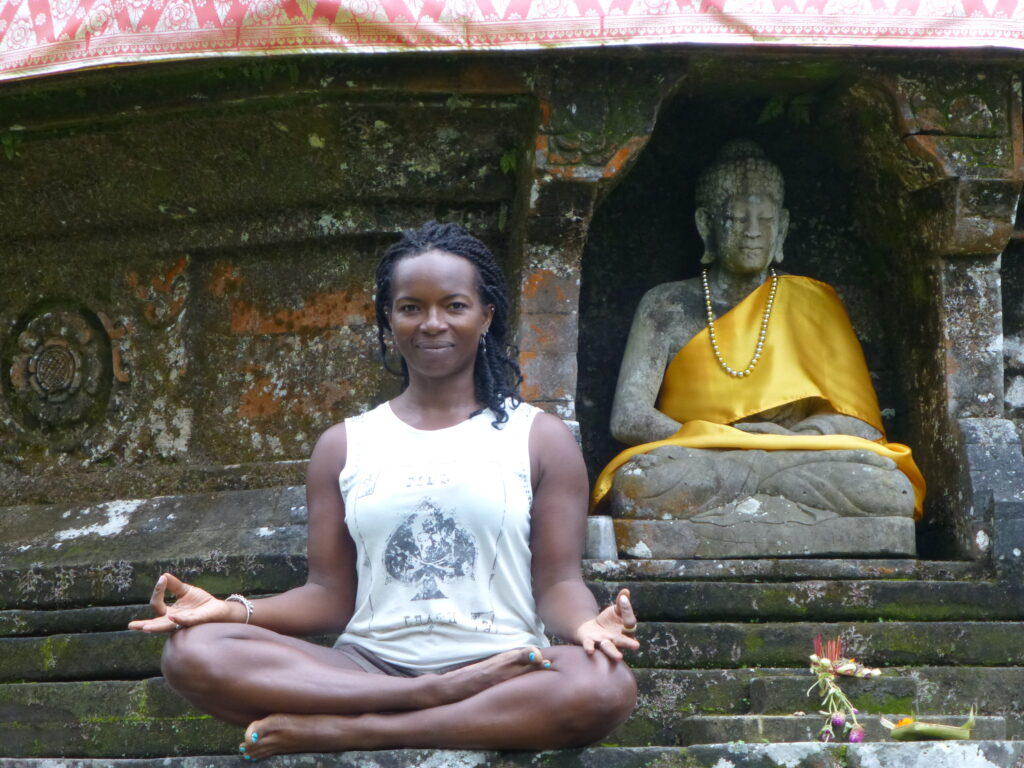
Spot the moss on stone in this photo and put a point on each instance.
(869, 702)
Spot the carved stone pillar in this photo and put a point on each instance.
(944, 183)
(594, 119)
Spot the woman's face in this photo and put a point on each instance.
(436, 313)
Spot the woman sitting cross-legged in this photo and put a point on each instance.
(446, 529)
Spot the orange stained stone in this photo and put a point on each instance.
(321, 311)
(260, 401)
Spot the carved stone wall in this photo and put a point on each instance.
(186, 251)
(187, 261)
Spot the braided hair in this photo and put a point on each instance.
(496, 375)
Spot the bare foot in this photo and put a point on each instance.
(286, 734)
(470, 680)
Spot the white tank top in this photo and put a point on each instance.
(441, 523)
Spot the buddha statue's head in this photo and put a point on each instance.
(739, 209)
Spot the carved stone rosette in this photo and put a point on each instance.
(59, 373)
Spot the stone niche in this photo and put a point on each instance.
(902, 182)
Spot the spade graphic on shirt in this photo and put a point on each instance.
(429, 549)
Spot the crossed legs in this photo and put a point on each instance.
(302, 697)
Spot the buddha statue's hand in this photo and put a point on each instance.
(836, 424)
(762, 428)
(611, 631)
(191, 606)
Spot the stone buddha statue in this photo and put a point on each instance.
(744, 393)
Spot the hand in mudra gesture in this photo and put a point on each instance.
(612, 630)
(191, 606)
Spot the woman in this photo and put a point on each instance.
(445, 536)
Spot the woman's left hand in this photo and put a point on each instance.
(610, 631)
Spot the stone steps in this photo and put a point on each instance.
(922, 690)
(90, 656)
(725, 645)
(68, 556)
(132, 655)
(785, 569)
(142, 718)
(721, 729)
(818, 600)
(773, 644)
(669, 698)
(949, 754)
(823, 601)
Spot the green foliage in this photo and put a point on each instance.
(508, 162)
(795, 109)
(267, 72)
(10, 143)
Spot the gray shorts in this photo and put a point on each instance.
(370, 662)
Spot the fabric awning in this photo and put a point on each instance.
(39, 37)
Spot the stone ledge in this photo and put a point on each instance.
(815, 600)
(949, 754)
(775, 644)
(73, 555)
(786, 569)
(713, 729)
(856, 536)
(143, 718)
(133, 655)
(822, 600)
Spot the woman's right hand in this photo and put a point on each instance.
(191, 606)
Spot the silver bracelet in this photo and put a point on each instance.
(249, 607)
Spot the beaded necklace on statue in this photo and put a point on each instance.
(761, 336)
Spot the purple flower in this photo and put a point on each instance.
(838, 721)
(856, 734)
(825, 734)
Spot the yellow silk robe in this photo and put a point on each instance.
(810, 351)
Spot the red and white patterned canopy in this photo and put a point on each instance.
(40, 37)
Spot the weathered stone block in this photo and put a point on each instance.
(94, 552)
(783, 569)
(814, 600)
(105, 655)
(971, 319)
(777, 695)
(974, 754)
(797, 728)
(884, 536)
(547, 291)
(897, 643)
(600, 538)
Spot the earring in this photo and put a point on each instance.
(483, 343)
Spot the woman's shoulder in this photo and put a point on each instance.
(544, 428)
(369, 419)
(331, 441)
(548, 425)
(518, 414)
(335, 439)
(330, 455)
